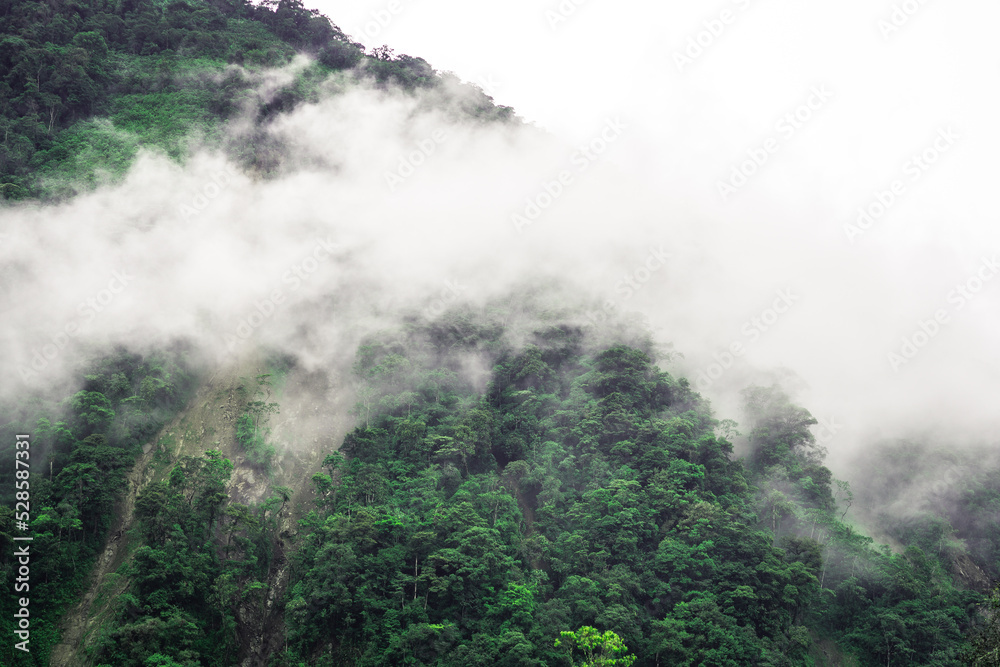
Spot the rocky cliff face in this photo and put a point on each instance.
(973, 577)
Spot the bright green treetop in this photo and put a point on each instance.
(599, 649)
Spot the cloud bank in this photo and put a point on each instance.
(384, 204)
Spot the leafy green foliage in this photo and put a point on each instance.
(944, 499)
(881, 606)
(251, 426)
(87, 83)
(82, 450)
(984, 649)
(576, 491)
(462, 526)
(589, 490)
(198, 580)
(579, 488)
(599, 649)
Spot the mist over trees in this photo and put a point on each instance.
(158, 71)
(507, 494)
(581, 488)
(589, 488)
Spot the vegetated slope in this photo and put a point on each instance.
(201, 563)
(211, 486)
(585, 487)
(495, 495)
(944, 499)
(86, 83)
(471, 523)
(83, 444)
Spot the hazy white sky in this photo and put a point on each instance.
(704, 87)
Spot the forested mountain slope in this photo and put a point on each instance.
(585, 487)
(484, 486)
(86, 83)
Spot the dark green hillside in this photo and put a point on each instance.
(85, 83)
(581, 487)
(81, 450)
(506, 494)
(589, 488)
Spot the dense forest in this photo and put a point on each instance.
(587, 488)
(86, 83)
(88, 441)
(571, 504)
(582, 503)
